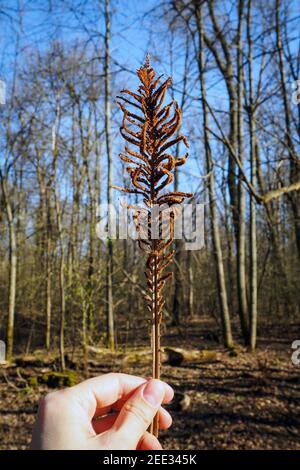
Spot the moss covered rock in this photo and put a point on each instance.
(30, 361)
(59, 379)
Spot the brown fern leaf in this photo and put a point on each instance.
(152, 129)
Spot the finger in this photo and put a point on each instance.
(149, 442)
(118, 405)
(169, 390)
(165, 419)
(137, 414)
(96, 395)
(105, 423)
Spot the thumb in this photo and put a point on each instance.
(137, 414)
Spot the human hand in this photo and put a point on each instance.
(109, 412)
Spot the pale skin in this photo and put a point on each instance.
(109, 412)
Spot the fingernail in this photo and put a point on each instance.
(154, 392)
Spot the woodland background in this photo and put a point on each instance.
(71, 301)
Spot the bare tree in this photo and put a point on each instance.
(109, 269)
(222, 292)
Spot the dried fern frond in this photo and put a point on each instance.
(151, 128)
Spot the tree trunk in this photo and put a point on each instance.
(236, 190)
(253, 162)
(61, 286)
(294, 197)
(109, 268)
(48, 270)
(190, 285)
(241, 243)
(12, 271)
(178, 288)
(217, 250)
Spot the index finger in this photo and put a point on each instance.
(99, 393)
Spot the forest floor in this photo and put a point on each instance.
(238, 401)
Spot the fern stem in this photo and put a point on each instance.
(155, 335)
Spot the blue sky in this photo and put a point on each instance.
(39, 22)
(133, 34)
